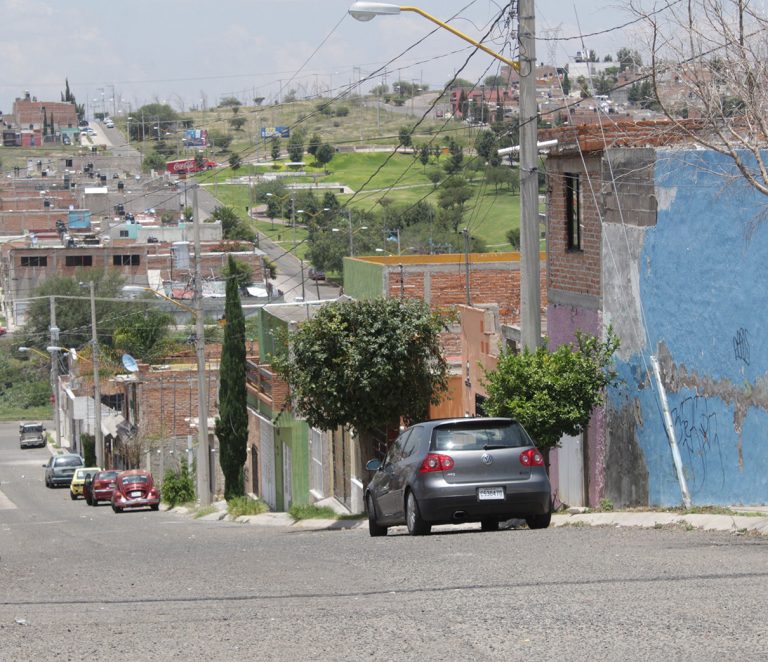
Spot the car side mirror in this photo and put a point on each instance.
(373, 465)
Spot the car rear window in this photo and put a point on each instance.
(464, 436)
(108, 475)
(135, 479)
(69, 462)
(31, 428)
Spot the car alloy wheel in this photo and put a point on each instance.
(416, 525)
(374, 528)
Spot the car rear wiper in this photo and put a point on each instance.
(493, 447)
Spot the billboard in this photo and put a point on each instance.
(195, 137)
(276, 131)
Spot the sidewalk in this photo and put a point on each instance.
(750, 519)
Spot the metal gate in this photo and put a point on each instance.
(287, 476)
(268, 490)
(570, 471)
(341, 473)
(316, 448)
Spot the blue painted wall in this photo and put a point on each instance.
(698, 278)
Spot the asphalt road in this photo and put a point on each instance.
(84, 583)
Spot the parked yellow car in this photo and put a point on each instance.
(78, 480)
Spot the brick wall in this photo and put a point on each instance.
(570, 270)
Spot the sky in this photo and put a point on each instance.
(192, 53)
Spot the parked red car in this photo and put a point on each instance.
(135, 489)
(101, 487)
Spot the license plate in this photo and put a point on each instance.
(135, 494)
(490, 493)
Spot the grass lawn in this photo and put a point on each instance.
(489, 214)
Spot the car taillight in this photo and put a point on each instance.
(531, 458)
(436, 462)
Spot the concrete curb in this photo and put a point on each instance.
(740, 523)
(653, 520)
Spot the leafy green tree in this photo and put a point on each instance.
(455, 160)
(404, 136)
(296, 146)
(275, 148)
(487, 147)
(552, 393)
(240, 272)
(151, 115)
(237, 123)
(366, 364)
(73, 315)
(454, 192)
(424, 153)
(143, 332)
(566, 84)
(513, 237)
(232, 421)
(324, 154)
(235, 161)
(502, 176)
(628, 58)
(314, 142)
(435, 176)
(229, 102)
(153, 161)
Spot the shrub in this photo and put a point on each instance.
(178, 486)
(312, 512)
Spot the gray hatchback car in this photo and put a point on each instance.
(458, 470)
(60, 468)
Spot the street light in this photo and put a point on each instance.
(530, 294)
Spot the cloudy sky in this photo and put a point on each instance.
(120, 55)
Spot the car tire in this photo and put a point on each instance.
(155, 506)
(374, 528)
(116, 509)
(94, 502)
(489, 525)
(416, 525)
(73, 496)
(538, 521)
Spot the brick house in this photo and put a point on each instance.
(664, 242)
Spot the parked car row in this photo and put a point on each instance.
(133, 488)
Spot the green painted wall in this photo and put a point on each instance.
(363, 280)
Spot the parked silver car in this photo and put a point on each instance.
(60, 468)
(452, 471)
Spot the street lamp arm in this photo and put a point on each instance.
(365, 11)
(512, 63)
(132, 288)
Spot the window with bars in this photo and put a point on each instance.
(78, 261)
(573, 210)
(126, 260)
(34, 261)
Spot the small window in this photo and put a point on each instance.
(125, 260)
(573, 210)
(78, 261)
(123, 234)
(34, 261)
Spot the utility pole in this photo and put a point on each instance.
(55, 370)
(203, 454)
(530, 294)
(96, 383)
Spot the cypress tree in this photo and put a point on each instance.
(232, 421)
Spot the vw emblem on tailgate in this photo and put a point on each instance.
(486, 459)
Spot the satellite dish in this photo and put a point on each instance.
(130, 363)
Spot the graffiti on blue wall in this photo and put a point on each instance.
(741, 345)
(697, 437)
